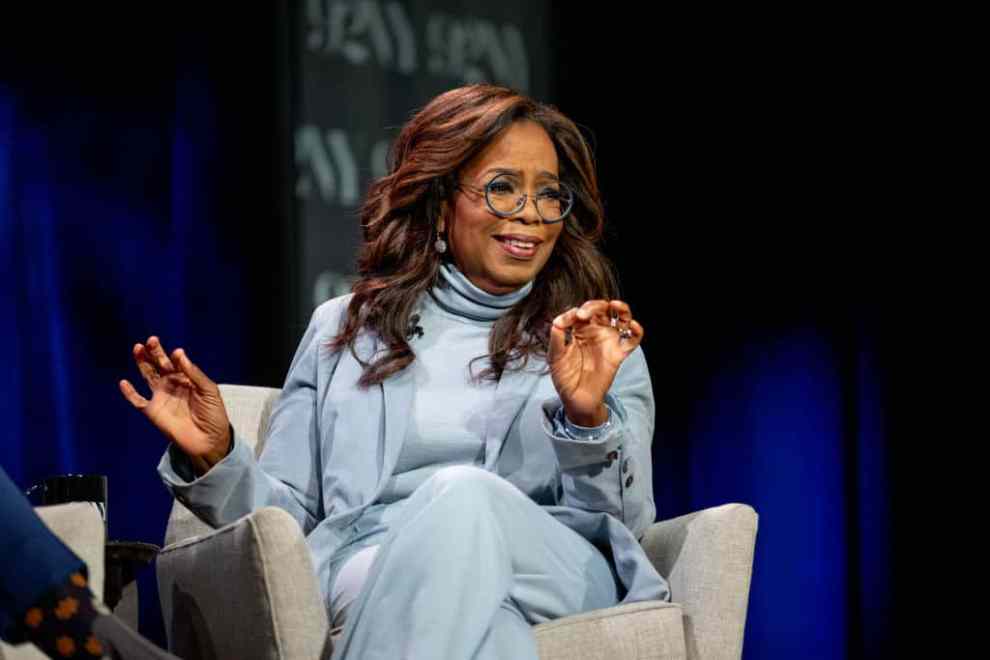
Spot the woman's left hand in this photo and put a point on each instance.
(587, 345)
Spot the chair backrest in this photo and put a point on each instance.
(248, 408)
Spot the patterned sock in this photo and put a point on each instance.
(61, 623)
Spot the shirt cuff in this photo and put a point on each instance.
(569, 429)
(573, 453)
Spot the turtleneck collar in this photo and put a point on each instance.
(456, 294)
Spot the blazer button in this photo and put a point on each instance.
(629, 481)
(625, 466)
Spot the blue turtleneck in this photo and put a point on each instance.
(458, 296)
(449, 408)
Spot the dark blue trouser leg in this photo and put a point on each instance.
(32, 559)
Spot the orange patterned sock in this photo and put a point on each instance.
(61, 622)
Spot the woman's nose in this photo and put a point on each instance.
(528, 213)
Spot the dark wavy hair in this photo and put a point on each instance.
(397, 262)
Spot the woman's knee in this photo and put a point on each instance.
(469, 483)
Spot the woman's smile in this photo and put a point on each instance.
(519, 246)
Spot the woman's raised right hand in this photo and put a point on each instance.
(185, 405)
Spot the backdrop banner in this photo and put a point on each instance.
(362, 69)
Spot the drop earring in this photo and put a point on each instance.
(440, 245)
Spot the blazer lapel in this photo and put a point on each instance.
(511, 394)
(397, 395)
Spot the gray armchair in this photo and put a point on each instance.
(248, 590)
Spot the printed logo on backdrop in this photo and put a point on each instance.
(372, 33)
(468, 48)
(363, 67)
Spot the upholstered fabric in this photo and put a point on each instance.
(80, 526)
(651, 630)
(708, 558)
(245, 591)
(248, 590)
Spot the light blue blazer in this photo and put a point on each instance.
(332, 446)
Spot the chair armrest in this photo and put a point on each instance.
(80, 526)
(707, 557)
(246, 590)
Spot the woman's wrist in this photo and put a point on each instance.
(204, 462)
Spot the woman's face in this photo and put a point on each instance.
(478, 237)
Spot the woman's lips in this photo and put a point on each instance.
(516, 248)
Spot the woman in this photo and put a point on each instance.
(465, 438)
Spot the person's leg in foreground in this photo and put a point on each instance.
(44, 591)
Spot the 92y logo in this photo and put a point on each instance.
(465, 48)
(327, 167)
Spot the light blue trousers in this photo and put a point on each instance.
(471, 565)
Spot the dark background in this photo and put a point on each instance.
(762, 191)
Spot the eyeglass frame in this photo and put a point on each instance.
(525, 199)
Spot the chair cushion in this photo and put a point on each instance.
(650, 630)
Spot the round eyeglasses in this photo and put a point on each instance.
(505, 197)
